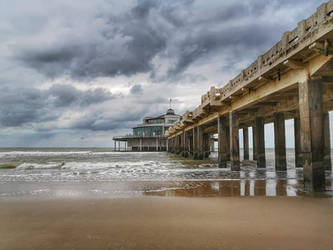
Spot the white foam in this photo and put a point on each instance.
(39, 166)
(42, 153)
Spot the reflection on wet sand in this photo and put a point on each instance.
(251, 183)
(233, 188)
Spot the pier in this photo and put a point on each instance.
(293, 80)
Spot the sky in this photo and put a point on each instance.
(77, 73)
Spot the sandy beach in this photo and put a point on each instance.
(168, 223)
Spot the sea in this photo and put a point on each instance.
(101, 173)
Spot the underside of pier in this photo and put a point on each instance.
(293, 80)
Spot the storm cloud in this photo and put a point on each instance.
(31, 105)
(88, 69)
(126, 44)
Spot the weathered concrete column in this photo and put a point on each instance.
(327, 142)
(200, 142)
(167, 145)
(195, 145)
(260, 142)
(246, 143)
(234, 141)
(207, 145)
(222, 142)
(228, 142)
(140, 144)
(254, 145)
(185, 144)
(280, 142)
(156, 144)
(115, 146)
(211, 143)
(312, 134)
(297, 135)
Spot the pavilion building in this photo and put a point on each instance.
(149, 136)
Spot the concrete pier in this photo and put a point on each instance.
(195, 144)
(246, 143)
(327, 142)
(200, 142)
(222, 142)
(292, 80)
(280, 142)
(297, 135)
(312, 134)
(260, 142)
(234, 141)
(254, 147)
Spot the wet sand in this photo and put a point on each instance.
(168, 223)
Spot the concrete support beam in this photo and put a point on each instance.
(206, 145)
(195, 144)
(254, 148)
(223, 139)
(186, 146)
(234, 141)
(260, 142)
(312, 134)
(280, 142)
(228, 143)
(200, 142)
(327, 142)
(246, 143)
(297, 134)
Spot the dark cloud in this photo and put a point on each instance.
(127, 43)
(18, 107)
(191, 44)
(31, 105)
(66, 95)
(107, 121)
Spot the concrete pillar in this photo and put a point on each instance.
(186, 148)
(181, 144)
(200, 142)
(206, 145)
(234, 141)
(167, 145)
(254, 148)
(228, 142)
(260, 142)
(246, 143)
(156, 144)
(195, 146)
(327, 142)
(211, 144)
(140, 144)
(118, 145)
(222, 142)
(115, 146)
(312, 136)
(280, 142)
(297, 135)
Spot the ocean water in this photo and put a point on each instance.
(100, 173)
